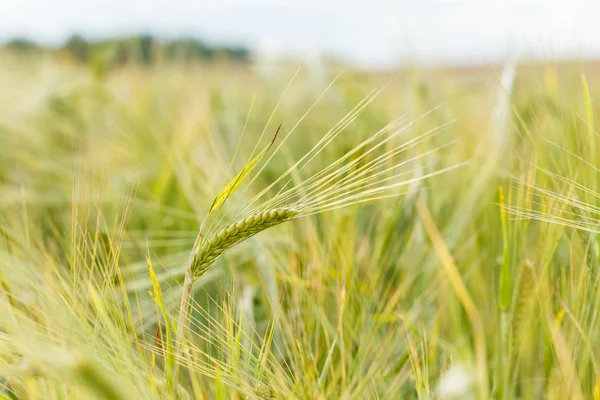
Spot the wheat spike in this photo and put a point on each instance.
(212, 248)
(522, 307)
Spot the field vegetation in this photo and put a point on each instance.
(472, 272)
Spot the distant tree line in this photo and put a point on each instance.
(141, 49)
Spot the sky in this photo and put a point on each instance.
(375, 33)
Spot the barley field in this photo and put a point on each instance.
(246, 231)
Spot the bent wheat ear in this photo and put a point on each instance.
(376, 168)
(212, 248)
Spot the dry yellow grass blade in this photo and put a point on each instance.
(237, 181)
(451, 271)
(561, 346)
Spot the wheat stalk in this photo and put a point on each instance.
(206, 252)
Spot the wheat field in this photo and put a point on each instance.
(456, 257)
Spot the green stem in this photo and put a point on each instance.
(184, 308)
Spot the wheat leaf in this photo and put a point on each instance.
(237, 181)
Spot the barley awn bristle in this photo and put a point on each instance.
(211, 249)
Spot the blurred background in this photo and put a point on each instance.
(369, 34)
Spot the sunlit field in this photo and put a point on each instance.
(438, 239)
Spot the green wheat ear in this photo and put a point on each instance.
(522, 307)
(208, 251)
